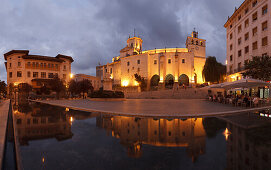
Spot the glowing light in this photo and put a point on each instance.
(161, 79)
(111, 77)
(16, 84)
(67, 109)
(136, 83)
(43, 159)
(261, 114)
(71, 119)
(71, 75)
(125, 83)
(226, 133)
(226, 62)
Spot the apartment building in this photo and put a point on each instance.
(248, 34)
(95, 81)
(36, 70)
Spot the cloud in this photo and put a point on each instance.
(94, 31)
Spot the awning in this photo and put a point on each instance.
(245, 83)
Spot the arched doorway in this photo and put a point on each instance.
(183, 80)
(155, 81)
(169, 81)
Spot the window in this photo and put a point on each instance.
(19, 64)
(64, 76)
(37, 64)
(254, 3)
(56, 66)
(111, 70)
(33, 64)
(128, 70)
(264, 26)
(239, 53)
(246, 49)
(239, 17)
(247, 23)
(50, 75)
(49, 65)
(41, 65)
(183, 60)
(246, 36)
(43, 74)
(255, 16)
(255, 45)
(231, 47)
(231, 26)
(264, 10)
(230, 36)
(9, 65)
(231, 58)
(10, 74)
(35, 74)
(264, 41)
(254, 31)
(128, 63)
(239, 28)
(138, 61)
(44, 65)
(19, 74)
(138, 69)
(65, 67)
(246, 10)
(239, 66)
(169, 61)
(56, 75)
(28, 74)
(155, 61)
(28, 64)
(239, 41)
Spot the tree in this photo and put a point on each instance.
(3, 88)
(85, 85)
(258, 68)
(24, 88)
(141, 81)
(57, 85)
(74, 87)
(213, 71)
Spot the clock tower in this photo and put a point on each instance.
(196, 45)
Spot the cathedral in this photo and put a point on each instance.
(159, 67)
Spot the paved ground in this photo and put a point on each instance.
(4, 108)
(152, 107)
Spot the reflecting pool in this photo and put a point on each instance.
(60, 138)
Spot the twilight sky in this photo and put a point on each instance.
(94, 31)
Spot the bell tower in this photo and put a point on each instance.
(196, 45)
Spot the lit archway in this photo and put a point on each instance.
(183, 80)
(169, 81)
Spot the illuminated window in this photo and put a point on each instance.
(246, 23)
(43, 74)
(255, 45)
(264, 26)
(264, 41)
(264, 10)
(35, 74)
(255, 16)
(254, 31)
(19, 74)
(246, 36)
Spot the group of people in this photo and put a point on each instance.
(237, 100)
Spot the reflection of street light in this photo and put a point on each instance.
(15, 89)
(71, 119)
(226, 133)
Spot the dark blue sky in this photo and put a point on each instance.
(94, 31)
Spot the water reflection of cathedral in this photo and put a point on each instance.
(133, 132)
(37, 125)
(249, 145)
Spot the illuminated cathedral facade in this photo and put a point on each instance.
(160, 67)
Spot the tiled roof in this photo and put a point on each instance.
(15, 51)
